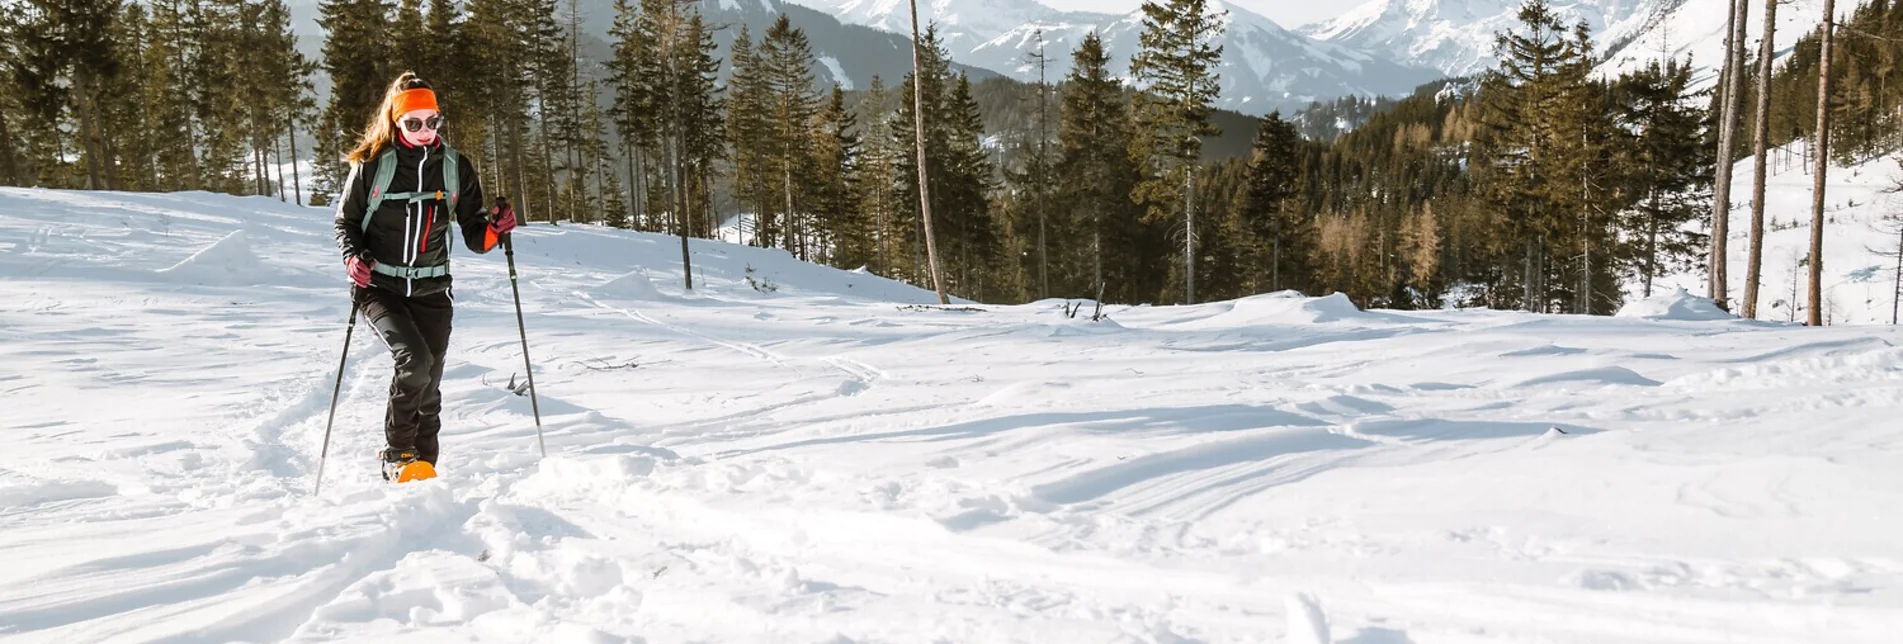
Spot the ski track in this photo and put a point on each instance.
(818, 465)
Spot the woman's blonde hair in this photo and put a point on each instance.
(381, 131)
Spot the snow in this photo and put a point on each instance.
(1678, 305)
(1457, 36)
(839, 460)
(838, 72)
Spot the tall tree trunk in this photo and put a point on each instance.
(924, 184)
(1189, 234)
(88, 131)
(595, 164)
(641, 188)
(1732, 112)
(680, 214)
(1652, 243)
(1754, 266)
(515, 123)
(634, 216)
(277, 163)
(1822, 169)
(9, 169)
(1096, 254)
(548, 165)
(1896, 296)
(297, 182)
(790, 220)
(1275, 259)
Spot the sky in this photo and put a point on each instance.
(1288, 13)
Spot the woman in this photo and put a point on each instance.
(392, 224)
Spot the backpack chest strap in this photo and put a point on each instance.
(411, 272)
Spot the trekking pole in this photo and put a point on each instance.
(324, 454)
(508, 250)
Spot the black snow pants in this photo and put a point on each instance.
(416, 329)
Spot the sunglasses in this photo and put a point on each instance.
(415, 124)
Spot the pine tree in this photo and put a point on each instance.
(749, 133)
(1270, 211)
(1176, 69)
(1093, 139)
(1669, 169)
(876, 192)
(64, 64)
(1534, 156)
(703, 134)
(633, 99)
(358, 61)
(788, 62)
(497, 64)
(840, 226)
(11, 171)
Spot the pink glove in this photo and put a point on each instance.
(504, 221)
(359, 271)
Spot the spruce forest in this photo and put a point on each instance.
(1539, 186)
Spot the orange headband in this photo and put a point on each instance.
(411, 100)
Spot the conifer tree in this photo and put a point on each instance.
(788, 61)
(1669, 169)
(1175, 68)
(840, 225)
(1270, 211)
(876, 193)
(748, 131)
(359, 63)
(1093, 143)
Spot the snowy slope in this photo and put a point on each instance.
(825, 463)
(1457, 36)
(1859, 281)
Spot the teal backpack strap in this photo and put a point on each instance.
(452, 185)
(386, 170)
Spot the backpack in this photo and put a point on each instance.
(380, 192)
(386, 170)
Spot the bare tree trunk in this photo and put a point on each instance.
(1896, 297)
(924, 184)
(627, 154)
(548, 166)
(1526, 280)
(788, 220)
(1096, 253)
(680, 215)
(1652, 244)
(277, 163)
(1189, 233)
(88, 132)
(515, 164)
(1719, 262)
(1822, 169)
(1754, 267)
(9, 170)
(297, 182)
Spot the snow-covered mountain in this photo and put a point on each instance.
(964, 25)
(1457, 36)
(1264, 67)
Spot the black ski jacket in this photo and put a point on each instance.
(411, 234)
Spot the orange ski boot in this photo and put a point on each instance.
(401, 466)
